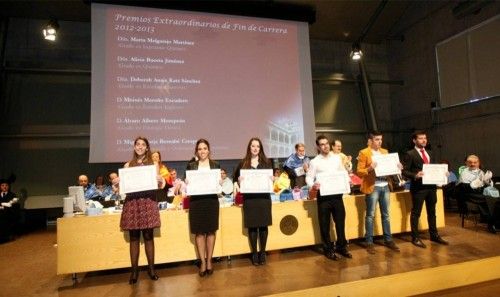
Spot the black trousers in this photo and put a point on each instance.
(331, 205)
(417, 198)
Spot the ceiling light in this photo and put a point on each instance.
(356, 52)
(50, 30)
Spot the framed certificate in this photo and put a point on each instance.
(137, 179)
(256, 180)
(203, 182)
(333, 183)
(387, 164)
(435, 174)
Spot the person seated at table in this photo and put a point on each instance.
(337, 150)
(227, 183)
(470, 187)
(89, 190)
(100, 186)
(164, 172)
(9, 212)
(178, 186)
(112, 190)
(281, 181)
(296, 166)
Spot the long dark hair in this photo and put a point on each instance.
(246, 163)
(201, 140)
(147, 158)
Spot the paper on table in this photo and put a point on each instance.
(387, 164)
(203, 182)
(256, 180)
(137, 179)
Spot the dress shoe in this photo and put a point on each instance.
(202, 273)
(345, 253)
(492, 229)
(210, 271)
(133, 276)
(418, 242)
(370, 248)
(262, 258)
(439, 240)
(255, 259)
(392, 245)
(331, 255)
(153, 275)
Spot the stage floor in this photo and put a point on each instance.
(28, 268)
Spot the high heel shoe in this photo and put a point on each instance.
(255, 259)
(262, 258)
(133, 276)
(153, 275)
(202, 273)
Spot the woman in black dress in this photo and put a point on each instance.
(203, 210)
(141, 214)
(256, 207)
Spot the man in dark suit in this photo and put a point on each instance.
(412, 168)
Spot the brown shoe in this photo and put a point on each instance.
(392, 245)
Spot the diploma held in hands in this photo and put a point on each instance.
(137, 179)
(333, 183)
(256, 180)
(203, 182)
(387, 164)
(435, 174)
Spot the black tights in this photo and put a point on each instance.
(149, 244)
(261, 233)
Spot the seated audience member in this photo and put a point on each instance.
(178, 186)
(296, 166)
(89, 190)
(337, 150)
(100, 186)
(470, 187)
(227, 183)
(164, 171)
(112, 190)
(281, 181)
(9, 212)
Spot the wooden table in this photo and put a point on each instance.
(91, 243)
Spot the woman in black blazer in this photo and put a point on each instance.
(204, 210)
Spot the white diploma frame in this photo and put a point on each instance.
(333, 183)
(387, 164)
(256, 180)
(203, 182)
(435, 174)
(137, 179)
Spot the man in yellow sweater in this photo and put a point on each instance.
(376, 189)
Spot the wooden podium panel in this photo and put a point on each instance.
(91, 243)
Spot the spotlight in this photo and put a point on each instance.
(50, 30)
(356, 52)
